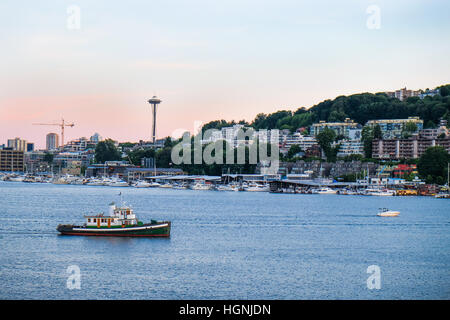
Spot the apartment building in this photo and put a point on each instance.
(394, 128)
(340, 128)
(11, 160)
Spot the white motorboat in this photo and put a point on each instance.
(142, 184)
(154, 184)
(166, 185)
(384, 212)
(379, 192)
(257, 188)
(201, 186)
(325, 190)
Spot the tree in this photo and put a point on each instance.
(293, 150)
(325, 139)
(432, 164)
(410, 126)
(106, 151)
(367, 138)
(377, 133)
(48, 157)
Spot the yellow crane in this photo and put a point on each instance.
(62, 125)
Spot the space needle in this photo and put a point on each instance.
(154, 101)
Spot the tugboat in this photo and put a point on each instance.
(121, 221)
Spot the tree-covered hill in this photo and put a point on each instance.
(358, 107)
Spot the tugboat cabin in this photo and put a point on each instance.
(118, 217)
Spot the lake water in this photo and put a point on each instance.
(224, 245)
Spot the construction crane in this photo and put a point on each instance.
(62, 125)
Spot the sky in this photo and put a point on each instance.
(96, 63)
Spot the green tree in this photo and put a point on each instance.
(377, 133)
(48, 157)
(432, 164)
(367, 138)
(325, 139)
(106, 151)
(293, 150)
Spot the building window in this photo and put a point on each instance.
(89, 220)
(95, 220)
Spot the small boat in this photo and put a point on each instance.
(201, 186)
(118, 183)
(142, 184)
(257, 188)
(379, 192)
(154, 185)
(121, 222)
(325, 190)
(384, 212)
(166, 185)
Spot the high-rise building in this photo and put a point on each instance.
(11, 160)
(30, 147)
(17, 144)
(52, 142)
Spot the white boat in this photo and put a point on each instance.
(201, 186)
(257, 188)
(154, 184)
(142, 184)
(325, 190)
(379, 192)
(166, 185)
(179, 186)
(95, 182)
(15, 178)
(224, 187)
(118, 183)
(384, 212)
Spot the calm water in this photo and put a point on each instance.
(224, 245)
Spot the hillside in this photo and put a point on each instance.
(358, 107)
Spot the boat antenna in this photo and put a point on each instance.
(121, 198)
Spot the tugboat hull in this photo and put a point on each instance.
(146, 230)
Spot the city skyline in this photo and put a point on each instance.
(253, 57)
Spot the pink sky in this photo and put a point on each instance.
(204, 60)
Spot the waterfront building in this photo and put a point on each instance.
(349, 147)
(52, 141)
(441, 131)
(394, 128)
(288, 140)
(34, 162)
(411, 148)
(11, 160)
(17, 144)
(65, 159)
(131, 173)
(340, 128)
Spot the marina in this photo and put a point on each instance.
(215, 183)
